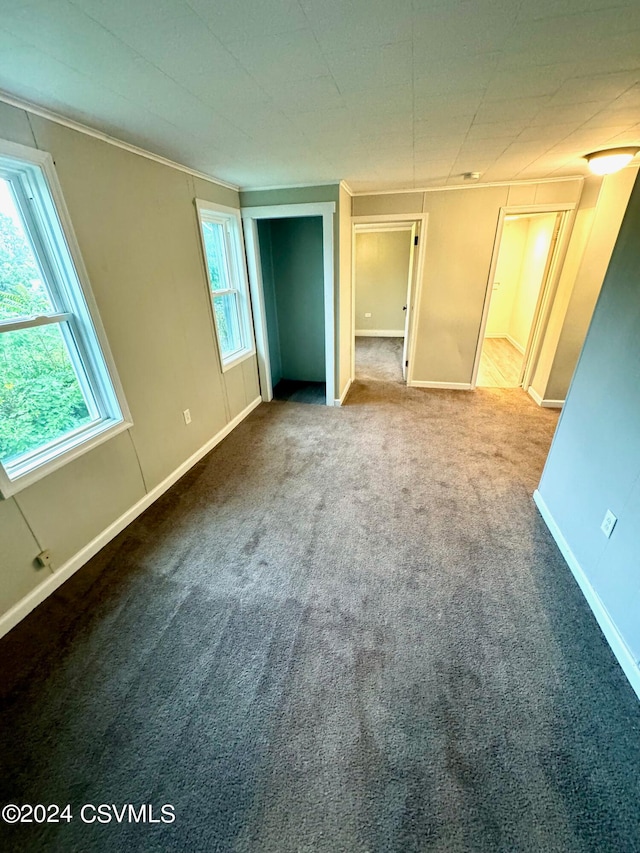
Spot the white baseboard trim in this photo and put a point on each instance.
(379, 333)
(341, 399)
(23, 607)
(618, 646)
(531, 391)
(452, 386)
(546, 404)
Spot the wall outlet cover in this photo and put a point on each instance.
(608, 523)
(44, 558)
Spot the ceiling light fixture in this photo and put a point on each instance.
(610, 160)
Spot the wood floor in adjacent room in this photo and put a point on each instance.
(346, 630)
(500, 364)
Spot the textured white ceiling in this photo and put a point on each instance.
(381, 93)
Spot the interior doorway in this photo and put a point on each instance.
(290, 260)
(292, 279)
(387, 260)
(519, 291)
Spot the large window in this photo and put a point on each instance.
(222, 245)
(57, 391)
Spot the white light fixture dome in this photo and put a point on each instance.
(610, 160)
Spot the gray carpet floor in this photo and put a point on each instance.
(344, 631)
(379, 359)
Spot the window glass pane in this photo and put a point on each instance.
(217, 261)
(227, 320)
(22, 291)
(41, 398)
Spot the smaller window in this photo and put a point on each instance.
(223, 250)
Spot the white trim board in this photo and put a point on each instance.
(339, 401)
(383, 227)
(379, 333)
(288, 211)
(30, 107)
(617, 644)
(546, 404)
(23, 607)
(449, 386)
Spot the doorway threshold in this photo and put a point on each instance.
(298, 391)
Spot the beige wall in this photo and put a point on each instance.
(381, 279)
(506, 278)
(460, 235)
(290, 195)
(137, 229)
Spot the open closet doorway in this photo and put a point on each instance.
(387, 259)
(292, 276)
(290, 261)
(519, 297)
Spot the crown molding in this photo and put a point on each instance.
(43, 112)
(469, 186)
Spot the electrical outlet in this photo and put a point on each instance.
(367, 313)
(608, 523)
(44, 558)
(187, 416)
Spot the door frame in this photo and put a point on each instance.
(250, 217)
(548, 287)
(414, 284)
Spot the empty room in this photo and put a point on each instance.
(319, 426)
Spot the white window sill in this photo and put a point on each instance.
(237, 359)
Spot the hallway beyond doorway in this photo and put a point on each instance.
(379, 359)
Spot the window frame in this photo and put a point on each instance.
(46, 219)
(230, 219)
